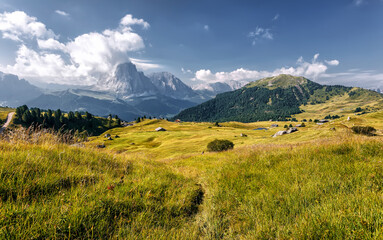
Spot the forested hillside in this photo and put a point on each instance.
(276, 98)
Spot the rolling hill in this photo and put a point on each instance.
(279, 98)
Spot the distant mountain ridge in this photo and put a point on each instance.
(129, 93)
(275, 98)
(15, 91)
(169, 85)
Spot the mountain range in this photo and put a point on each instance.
(279, 98)
(128, 93)
(15, 91)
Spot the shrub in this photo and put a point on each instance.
(369, 131)
(358, 109)
(220, 145)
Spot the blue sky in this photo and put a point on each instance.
(198, 41)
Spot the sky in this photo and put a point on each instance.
(200, 41)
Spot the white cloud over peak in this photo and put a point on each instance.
(313, 70)
(129, 20)
(78, 61)
(18, 26)
(62, 13)
(144, 64)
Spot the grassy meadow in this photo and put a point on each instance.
(316, 183)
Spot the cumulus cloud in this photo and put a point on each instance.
(78, 61)
(129, 20)
(18, 26)
(51, 44)
(332, 62)
(312, 70)
(260, 33)
(62, 13)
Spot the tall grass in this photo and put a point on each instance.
(324, 189)
(51, 190)
(329, 191)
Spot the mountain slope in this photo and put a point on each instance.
(77, 100)
(274, 98)
(128, 81)
(171, 86)
(15, 91)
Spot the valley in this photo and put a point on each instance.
(200, 120)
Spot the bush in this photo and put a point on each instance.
(358, 109)
(220, 145)
(369, 131)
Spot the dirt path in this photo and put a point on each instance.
(9, 119)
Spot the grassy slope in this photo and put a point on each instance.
(50, 190)
(341, 105)
(315, 183)
(188, 138)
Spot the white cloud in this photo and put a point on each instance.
(260, 33)
(185, 71)
(18, 26)
(332, 62)
(62, 13)
(311, 70)
(129, 20)
(51, 44)
(77, 61)
(276, 17)
(358, 2)
(144, 64)
(206, 27)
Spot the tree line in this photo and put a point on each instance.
(71, 121)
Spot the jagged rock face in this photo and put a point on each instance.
(169, 85)
(15, 91)
(128, 81)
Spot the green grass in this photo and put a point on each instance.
(327, 191)
(58, 191)
(312, 184)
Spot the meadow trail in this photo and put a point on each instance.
(6, 124)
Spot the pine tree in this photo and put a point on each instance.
(88, 116)
(71, 116)
(78, 115)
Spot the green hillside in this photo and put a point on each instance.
(322, 182)
(276, 98)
